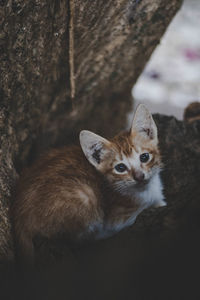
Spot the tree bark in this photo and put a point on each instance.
(67, 65)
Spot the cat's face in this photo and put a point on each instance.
(131, 158)
(131, 161)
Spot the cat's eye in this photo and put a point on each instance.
(144, 157)
(121, 168)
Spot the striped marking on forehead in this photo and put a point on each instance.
(132, 161)
(123, 143)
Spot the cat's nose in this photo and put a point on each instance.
(138, 176)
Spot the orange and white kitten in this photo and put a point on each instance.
(93, 190)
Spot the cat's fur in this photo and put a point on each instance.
(77, 190)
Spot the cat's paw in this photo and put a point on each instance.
(159, 203)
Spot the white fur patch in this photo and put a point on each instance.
(153, 194)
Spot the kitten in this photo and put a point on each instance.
(93, 190)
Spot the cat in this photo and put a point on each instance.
(92, 190)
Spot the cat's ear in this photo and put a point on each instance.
(144, 124)
(94, 147)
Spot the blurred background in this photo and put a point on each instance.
(171, 79)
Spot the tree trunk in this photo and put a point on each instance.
(67, 65)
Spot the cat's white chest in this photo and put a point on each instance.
(151, 196)
(153, 193)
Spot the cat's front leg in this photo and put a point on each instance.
(121, 217)
(159, 202)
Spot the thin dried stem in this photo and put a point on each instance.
(71, 49)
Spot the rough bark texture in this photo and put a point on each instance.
(111, 43)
